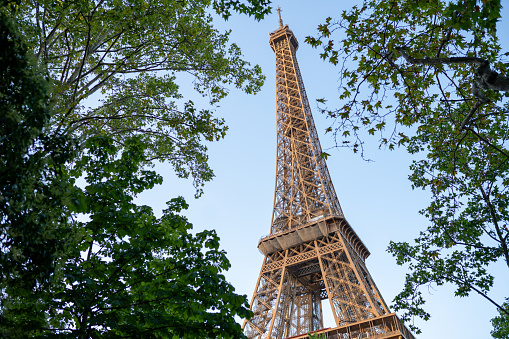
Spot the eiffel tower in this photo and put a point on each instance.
(312, 252)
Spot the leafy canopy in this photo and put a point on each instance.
(117, 69)
(128, 273)
(501, 325)
(33, 199)
(88, 262)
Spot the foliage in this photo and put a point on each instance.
(501, 325)
(128, 273)
(88, 262)
(117, 69)
(376, 33)
(256, 8)
(316, 336)
(34, 184)
(431, 76)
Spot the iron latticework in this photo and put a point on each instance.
(312, 253)
(304, 189)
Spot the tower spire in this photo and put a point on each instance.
(279, 13)
(312, 253)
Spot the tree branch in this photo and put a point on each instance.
(484, 77)
(474, 108)
(497, 228)
(440, 61)
(487, 142)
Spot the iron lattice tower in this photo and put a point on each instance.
(312, 253)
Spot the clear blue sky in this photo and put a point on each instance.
(375, 196)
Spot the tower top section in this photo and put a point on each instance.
(304, 193)
(282, 33)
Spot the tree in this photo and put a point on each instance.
(33, 176)
(430, 76)
(128, 273)
(123, 272)
(118, 67)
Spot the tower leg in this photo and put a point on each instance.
(264, 302)
(282, 305)
(346, 290)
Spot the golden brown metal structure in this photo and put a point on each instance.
(304, 189)
(312, 253)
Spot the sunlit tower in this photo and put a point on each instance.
(312, 253)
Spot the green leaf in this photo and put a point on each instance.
(324, 155)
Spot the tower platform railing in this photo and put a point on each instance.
(383, 327)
